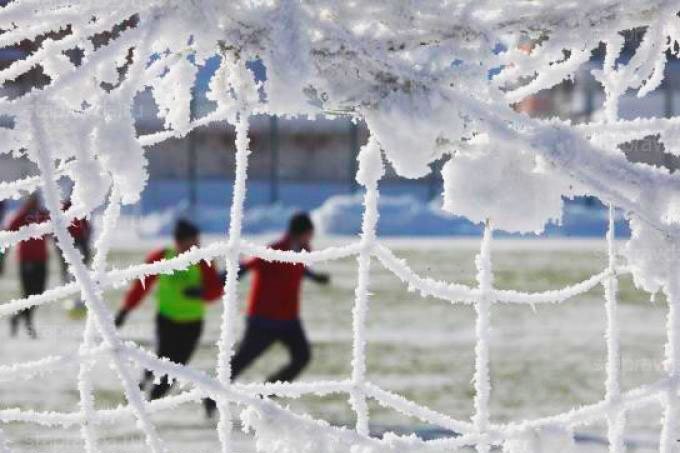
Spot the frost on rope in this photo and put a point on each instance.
(418, 73)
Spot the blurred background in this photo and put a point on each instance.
(309, 164)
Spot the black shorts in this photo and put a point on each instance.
(33, 277)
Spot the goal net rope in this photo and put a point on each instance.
(431, 79)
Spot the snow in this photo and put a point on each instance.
(482, 378)
(371, 169)
(244, 89)
(421, 77)
(404, 211)
(536, 441)
(402, 328)
(516, 190)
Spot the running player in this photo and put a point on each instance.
(181, 300)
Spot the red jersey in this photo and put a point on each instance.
(211, 283)
(32, 250)
(275, 290)
(79, 228)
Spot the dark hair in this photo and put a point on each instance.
(300, 223)
(184, 230)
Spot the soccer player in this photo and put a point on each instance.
(274, 304)
(33, 259)
(273, 313)
(181, 300)
(80, 231)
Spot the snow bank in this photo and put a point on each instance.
(341, 215)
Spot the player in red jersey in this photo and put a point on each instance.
(274, 304)
(273, 313)
(81, 232)
(33, 258)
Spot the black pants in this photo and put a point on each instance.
(261, 334)
(177, 342)
(33, 280)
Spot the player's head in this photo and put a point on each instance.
(186, 235)
(301, 228)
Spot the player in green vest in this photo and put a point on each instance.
(181, 298)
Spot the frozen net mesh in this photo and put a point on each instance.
(390, 64)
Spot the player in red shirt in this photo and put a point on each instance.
(274, 304)
(273, 313)
(33, 259)
(81, 233)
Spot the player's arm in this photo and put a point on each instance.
(19, 220)
(211, 288)
(138, 290)
(243, 269)
(26, 217)
(321, 278)
(247, 266)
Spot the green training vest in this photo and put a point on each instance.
(172, 303)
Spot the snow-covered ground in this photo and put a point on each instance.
(543, 362)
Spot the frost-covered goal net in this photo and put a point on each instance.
(430, 78)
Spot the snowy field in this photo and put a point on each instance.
(543, 362)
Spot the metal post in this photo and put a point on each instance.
(274, 150)
(354, 153)
(192, 166)
(668, 96)
(590, 102)
(433, 182)
(668, 92)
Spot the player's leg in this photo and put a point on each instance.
(177, 342)
(28, 320)
(190, 333)
(24, 277)
(295, 340)
(14, 324)
(63, 267)
(33, 277)
(166, 342)
(160, 347)
(256, 340)
(162, 337)
(84, 247)
(38, 282)
(77, 308)
(146, 378)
